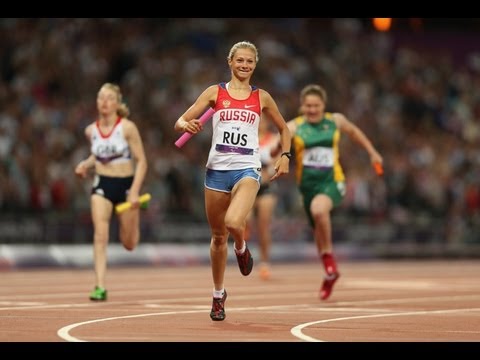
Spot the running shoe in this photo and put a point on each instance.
(218, 308)
(245, 261)
(264, 271)
(98, 294)
(327, 286)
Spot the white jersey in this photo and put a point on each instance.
(111, 147)
(235, 144)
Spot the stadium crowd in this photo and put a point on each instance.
(418, 103)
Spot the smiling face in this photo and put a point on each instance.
(107, 101)
(243, 63)
(242, 60)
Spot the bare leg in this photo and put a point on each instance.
(249, 223)
(320, 208)
(243, 199)
(265, 207)
(216, 204)
(130, 228)
(101, 214)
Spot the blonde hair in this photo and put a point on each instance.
(243, 45)
(313, 89)
(123, 109)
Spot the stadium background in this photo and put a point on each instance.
(413, 89)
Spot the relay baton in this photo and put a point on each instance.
(377, 166)
(186, 135)
(127, 204)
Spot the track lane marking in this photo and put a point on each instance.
(297, 330)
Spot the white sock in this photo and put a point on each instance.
(242, 250)
(218, 293)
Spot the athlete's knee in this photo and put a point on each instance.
(219, 239)
(130, 246)
(130, 241)
(233, 222)
(218, 243)
(234, 225)
(100, 238)
(320, 216)
(320, 209)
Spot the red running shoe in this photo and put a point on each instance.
(327, 286)
(245, 261)
(218, 308)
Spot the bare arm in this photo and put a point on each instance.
(136, 147)
(358, 136)
(189, 120)
(270, 108)
(83, 166)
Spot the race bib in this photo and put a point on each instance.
(318, 157)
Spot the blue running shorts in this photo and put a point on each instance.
(225, 180)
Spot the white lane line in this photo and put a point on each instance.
(20, 303)
(64, 331)
(410, 284)
(409, 300)
(297, 330)
(51, 306)
(330, 305)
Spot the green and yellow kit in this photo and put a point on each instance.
(318, 169)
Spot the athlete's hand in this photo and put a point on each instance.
(193, 126)
(81, 169)
(282, 167)
(133, 198)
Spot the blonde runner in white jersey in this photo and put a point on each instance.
(112, 147)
